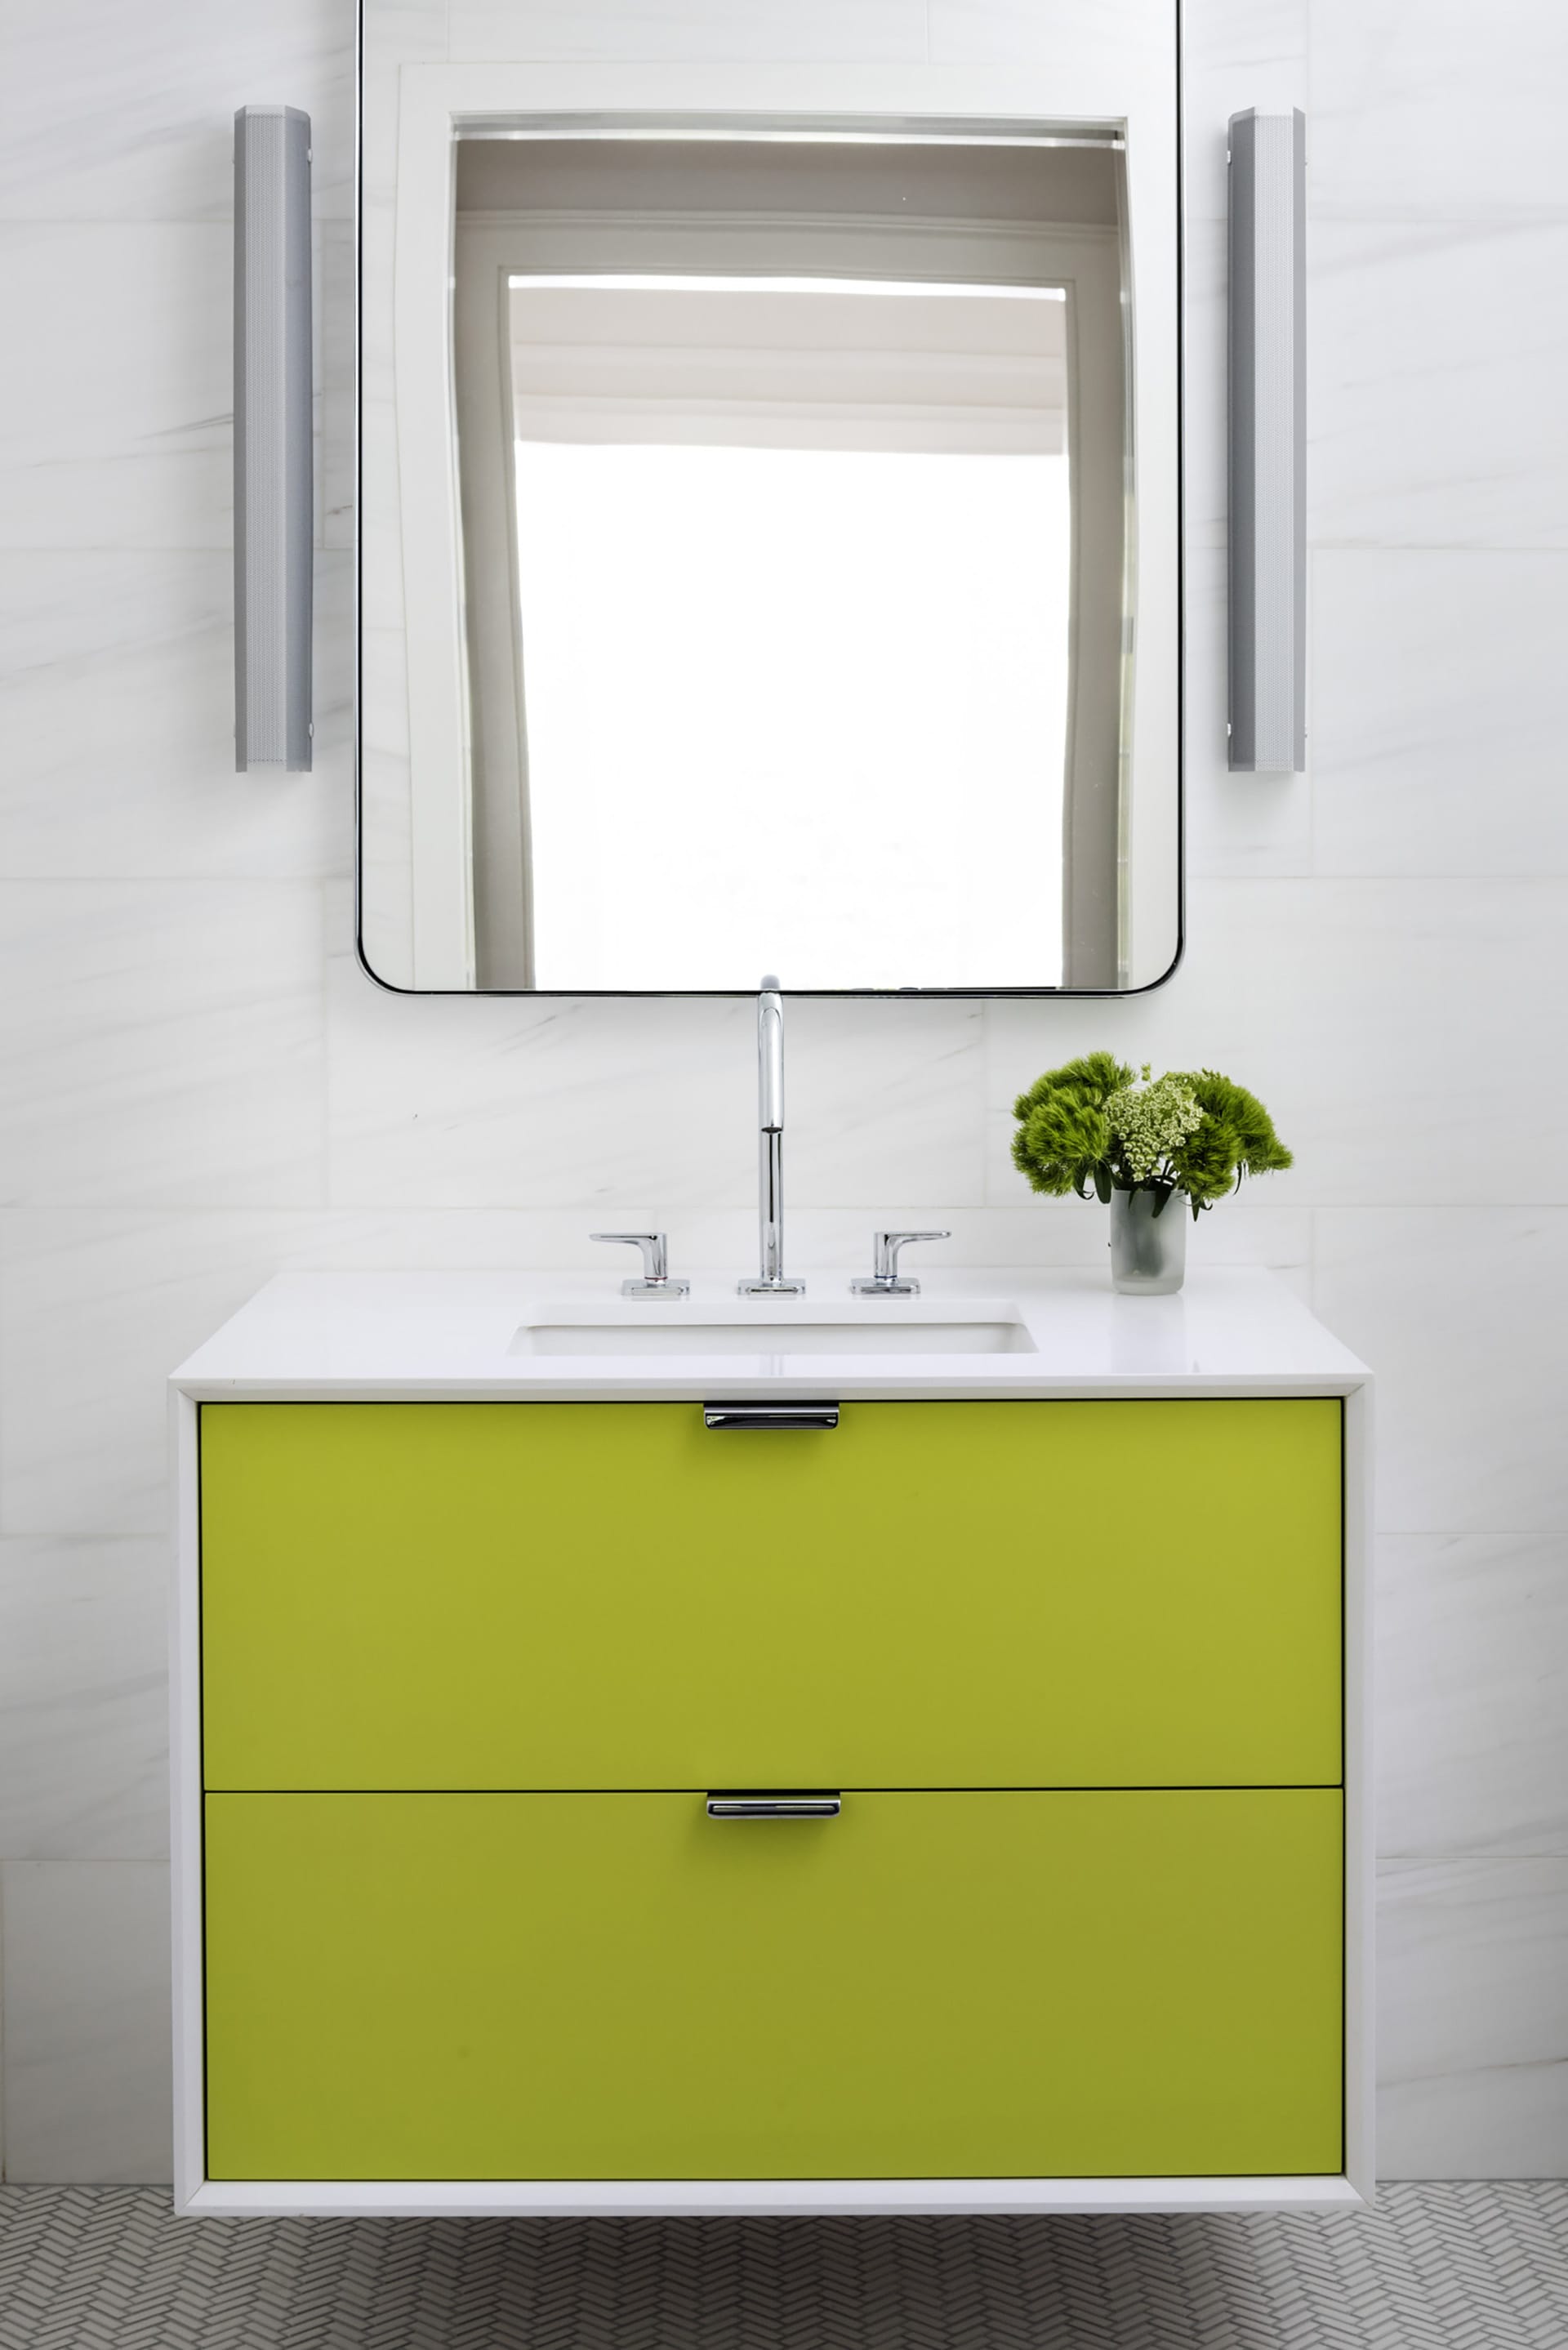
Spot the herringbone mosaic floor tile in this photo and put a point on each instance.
(1460, 2267)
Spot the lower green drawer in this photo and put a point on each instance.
(932, 1985)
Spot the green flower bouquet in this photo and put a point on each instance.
(1096, 1126)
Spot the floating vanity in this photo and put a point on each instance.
(802, 1754)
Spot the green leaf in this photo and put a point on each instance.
(1102, 1180)
(1161, 1202)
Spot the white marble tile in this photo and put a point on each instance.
(1472, 1694)
(477, 1101)
(763, 30)
(1434, 362)
(1236, 53)
(1349, 1006)
(832, 1243)
(95, 1309)
(487, 1101)
(117, 704)
(84, 1736)
(1431, 737)
(1434, 107)
(159, 1042)
(105, 117)
(1241, 825)
(1460, 1311)
(118, 432)
(885, 1099)
(1472, 2018)
(973, 32)
(87, 2034)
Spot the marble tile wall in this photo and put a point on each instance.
(198, 1087)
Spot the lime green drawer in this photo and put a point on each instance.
(610, 1596)
(934, 1985)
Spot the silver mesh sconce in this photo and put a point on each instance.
(1268, 443)
(273, 482)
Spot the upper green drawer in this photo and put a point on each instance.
(932, 1594)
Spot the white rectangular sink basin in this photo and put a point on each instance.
(677, 1328)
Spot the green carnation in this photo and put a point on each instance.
(1059, 1143)
(1236, 1138)
(1094, 1079)
(1062, 1134)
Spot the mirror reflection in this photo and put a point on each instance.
(789, 585)
(817, 531)
(786, 615)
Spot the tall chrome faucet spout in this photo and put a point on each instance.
(771, 1281)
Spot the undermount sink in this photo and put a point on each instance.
(665, 1329)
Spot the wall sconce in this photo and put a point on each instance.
(274, 496)
(1268, 443)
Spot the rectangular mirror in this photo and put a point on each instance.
(770, 522)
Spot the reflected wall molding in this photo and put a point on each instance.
(1268, 443)
(275, 495)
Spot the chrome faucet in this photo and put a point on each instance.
(771, 1281)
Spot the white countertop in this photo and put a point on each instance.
(448, 1335)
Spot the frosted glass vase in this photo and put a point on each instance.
(1149, 1252)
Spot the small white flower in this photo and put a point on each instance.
(1149, 1121)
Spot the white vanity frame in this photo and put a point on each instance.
(446, 1337)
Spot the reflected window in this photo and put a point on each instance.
(794, 489)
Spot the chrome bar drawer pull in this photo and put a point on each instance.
(742, 1805)
(770, 1415)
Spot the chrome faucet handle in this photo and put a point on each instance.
(656, 1281)
(887, 1281)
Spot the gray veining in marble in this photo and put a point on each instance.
(1429, 759)
(116, 707)
(1473, 1693)
(1432, 109)
(122, 1082)
(1472, 2018)
(1433, 419)
(84, 1714)
(1461, 1308)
